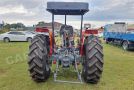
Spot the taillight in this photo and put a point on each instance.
(54, 62)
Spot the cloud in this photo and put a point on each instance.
(23, 11)
(32, 11)
(15, 9)
(112, 10)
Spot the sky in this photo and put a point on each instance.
(101, 12)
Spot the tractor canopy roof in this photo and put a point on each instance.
(67, 8)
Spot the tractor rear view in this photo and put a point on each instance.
(43, 51)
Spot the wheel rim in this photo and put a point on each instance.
(29, 40)
(125, 45)
(6, 40)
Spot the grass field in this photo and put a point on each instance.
(118, 70)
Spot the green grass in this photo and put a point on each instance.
(118, 71)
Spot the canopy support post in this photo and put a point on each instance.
(81, 28)
(53, 31)
(65, 19)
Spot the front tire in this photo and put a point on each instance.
(29, 39)
(38, 59)
(93, 64)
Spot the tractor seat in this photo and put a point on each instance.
(66, 29)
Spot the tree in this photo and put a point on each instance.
(17, 25)
(41, 23)
(7, 26)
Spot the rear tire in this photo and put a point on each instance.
(93, 64)
(107, 42)
(6, 40)
(125, 45)
(38, 59)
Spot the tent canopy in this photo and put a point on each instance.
(67, 8)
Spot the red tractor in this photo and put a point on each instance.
(43, 51)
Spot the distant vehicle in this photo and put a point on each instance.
(30, 32)
(100, 35)
(17, 36)
(86, 26)
(118, 34)
(130, 32)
